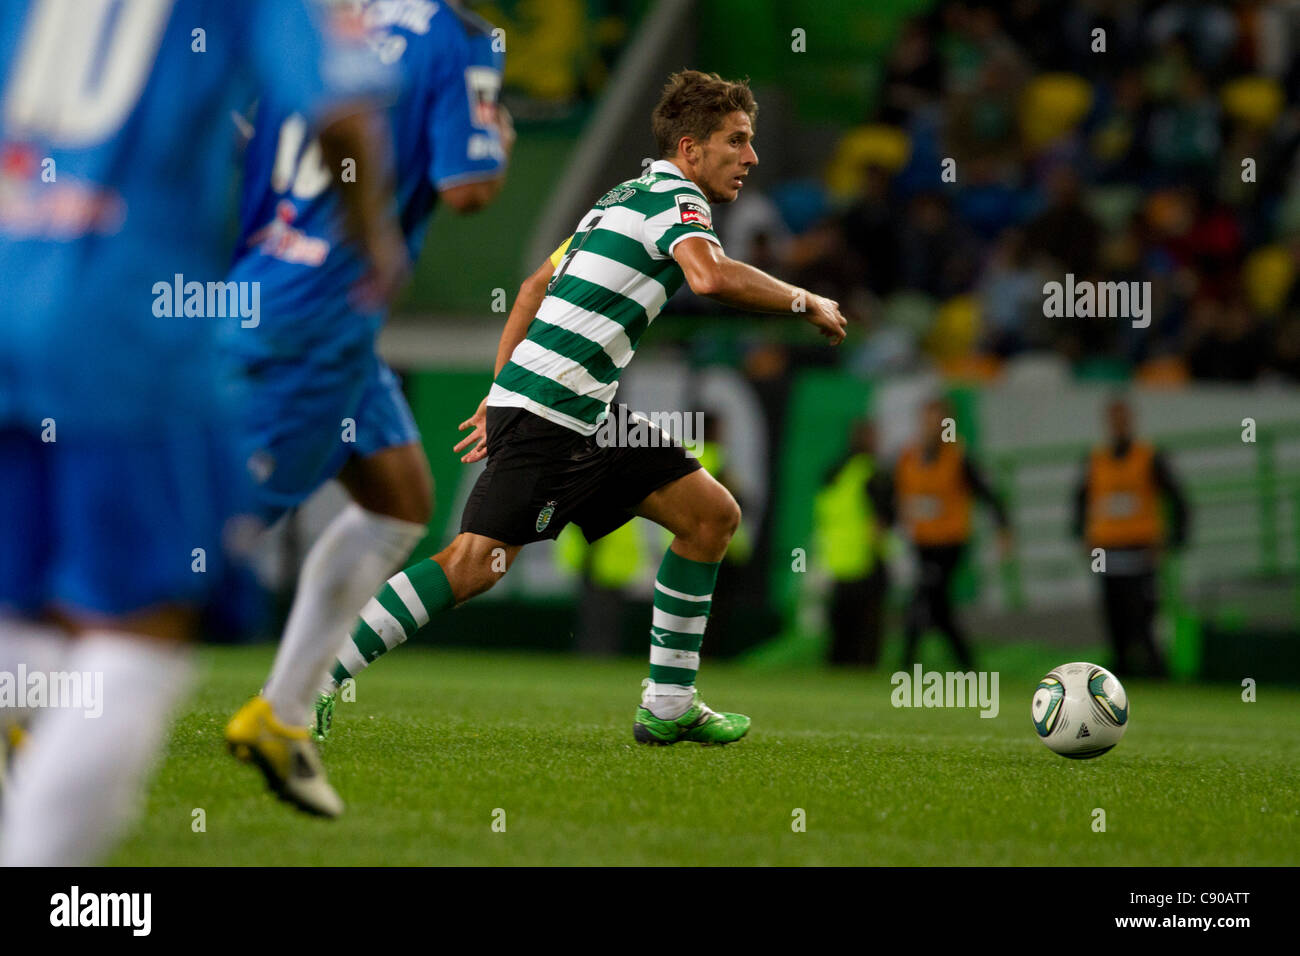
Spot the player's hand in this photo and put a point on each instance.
(477, 437)
(389, 268)
(505, 128)
(824, 315)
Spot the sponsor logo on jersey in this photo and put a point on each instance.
(413, 15)
(483, 83)
(280, 240)
(33, 204)
(694, 212)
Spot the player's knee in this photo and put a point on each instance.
(731, 515)
(412, 507)
(720, 521)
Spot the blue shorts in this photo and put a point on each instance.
(302, 419)
(112, 523)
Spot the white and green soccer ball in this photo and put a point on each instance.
(1080, 710)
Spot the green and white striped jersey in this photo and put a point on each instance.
(611, 279)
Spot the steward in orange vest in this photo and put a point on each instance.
(936, 482)
(1119, 512)
(934, 493)
(1122, 502)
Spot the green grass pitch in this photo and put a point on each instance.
(438, 741)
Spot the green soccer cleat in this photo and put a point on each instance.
(324, 716)
(699, 724)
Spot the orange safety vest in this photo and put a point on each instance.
(933, 497)
(1123, 501)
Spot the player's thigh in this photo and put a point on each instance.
(395, 482)
(654, 477)
(298, 425)
(140, 522)
(686, 503)
(388, 473)
(25, 462)
(538, 476)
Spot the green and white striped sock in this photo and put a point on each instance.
(402, 606)
(683, 596)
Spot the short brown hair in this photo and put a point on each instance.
(694, 104)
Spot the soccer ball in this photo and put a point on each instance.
(1080, 710)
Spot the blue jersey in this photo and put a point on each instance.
(116, 159)
(443, 125)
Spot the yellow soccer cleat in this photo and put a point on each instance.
(285, 755)
(12, 739)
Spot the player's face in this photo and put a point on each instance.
(1119, 420)
(932, 416)
(728, 156)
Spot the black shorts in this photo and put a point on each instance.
(540, 476)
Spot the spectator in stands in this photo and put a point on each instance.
(871, 230)
(1011, 296)
(1226, 342)
(1065, 229)
(1133, 157)
(913, 74)
(937, 255)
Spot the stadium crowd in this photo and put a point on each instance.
(1164, 149)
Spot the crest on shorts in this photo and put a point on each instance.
(260, 465)
(544, 516)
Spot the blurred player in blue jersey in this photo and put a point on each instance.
(318, 402)
(115, 193)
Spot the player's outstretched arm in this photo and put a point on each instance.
(368, 202)
(711, 273)
(527, 302)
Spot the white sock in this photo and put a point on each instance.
(667, 701)
(33, 646)
(349, 562)
(75, 784)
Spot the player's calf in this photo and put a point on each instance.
(468, 566)
(474, 563)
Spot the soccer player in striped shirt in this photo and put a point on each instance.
(574, 327)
